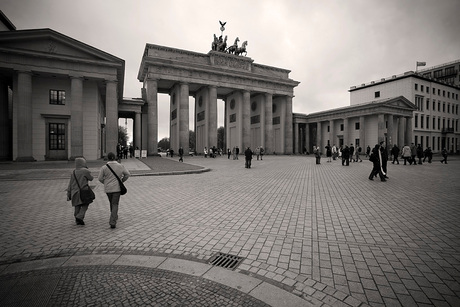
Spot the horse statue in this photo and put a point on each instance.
(222, 45)
(214, 43)
(232, 49)
(242, 49)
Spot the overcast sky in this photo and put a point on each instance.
(327, 45)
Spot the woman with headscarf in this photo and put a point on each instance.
(79, 179)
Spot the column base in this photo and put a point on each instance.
(25, 159)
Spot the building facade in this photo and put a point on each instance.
(59, 97)
(436, 117)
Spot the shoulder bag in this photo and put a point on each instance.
(86, 194)
(123, 189)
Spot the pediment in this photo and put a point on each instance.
(46, 42)
(400, 102)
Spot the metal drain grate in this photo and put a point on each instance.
(226, 261)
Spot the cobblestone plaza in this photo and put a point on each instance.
(324, 234)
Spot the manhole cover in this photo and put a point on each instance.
(226, 261)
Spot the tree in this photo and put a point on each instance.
(163, 144)
(220, 138)
(122, 135)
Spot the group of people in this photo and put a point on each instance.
(415, 154)
(212, 152)
(111, 174)
(122, 151)
(348, 154)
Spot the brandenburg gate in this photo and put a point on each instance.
(258, 98)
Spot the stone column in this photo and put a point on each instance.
(212, 126)
(24, 117)
(288, 127)
(346, 141)
(151, 86)
(362, 132)
(296, 138)
(381, 127)
(390, 131)
(111, 113)
(137, 130)
(5, 122)
(184, 117)
(246, 120)
(76, 133)
(268, 123)
(401, 126)
(409, 134)
(319, 139)
(307, 137)
(331, 132)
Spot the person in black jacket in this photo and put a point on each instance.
(248, 157)
(395, 153)
(376, 158)
(384, 158)
(346, 156)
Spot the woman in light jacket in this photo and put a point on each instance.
(111, 185)
(83, 175)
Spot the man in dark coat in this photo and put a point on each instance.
(384, 156)
(375, 158)
(248, 157)
(346, 156)
(395, 153)
(419, 153)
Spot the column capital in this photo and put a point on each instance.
(27, 72)
(78, 77)
(107, 81)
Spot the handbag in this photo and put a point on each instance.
(123, 189)
(86, 194)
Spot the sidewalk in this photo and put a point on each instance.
(322, 234)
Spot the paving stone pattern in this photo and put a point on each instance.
(324, 232)
(116, 286)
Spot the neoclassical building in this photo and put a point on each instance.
(258, 99)
(59, 97)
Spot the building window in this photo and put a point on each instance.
(443, 93)
(434, 123)
(434, 91)
(57, 136)
(427, 123)
(421, 121)
(421, 88)
(57, 97)
(328, 128)
(439, 92)
(434, 105)
(439, 106)
(377, 94)
(341, 127)
(357, 126)
(427, 103)
(444, 107)
(448, 108)
(428, 89)
(416, 120)
(416, 86)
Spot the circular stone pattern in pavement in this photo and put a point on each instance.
(116, 285)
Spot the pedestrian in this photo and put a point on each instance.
(171, 152)
(444, 155)
(384, 158)
(237, 150)
(328, 152)
(248, 157)
(406, 154)
(257, 152)
(395, 154)
(352, 151)
(205, 151)
(317, 154)
(346, 156)
(413, 154)
(358, 152)
(108, 176)
(334, 152)
(181, 154)
(368, 151)
(428, 153)
(228, 153)
(261, 153)
(419, 153)
(376, 159)
(79, 179)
